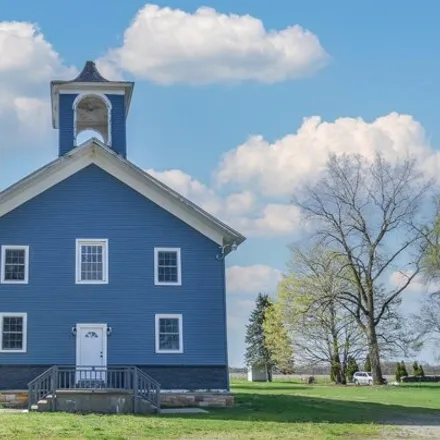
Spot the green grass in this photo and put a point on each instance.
(263, 411)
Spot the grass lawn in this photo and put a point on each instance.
(279, 410)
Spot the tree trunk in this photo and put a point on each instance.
(376, 368)
(269, 373)
(344, 373)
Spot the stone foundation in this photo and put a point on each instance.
(180, 400)
(180, 377)
(13, 399)
(19, 399)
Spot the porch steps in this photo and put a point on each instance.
(110, 389)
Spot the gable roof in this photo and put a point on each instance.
(95, 152)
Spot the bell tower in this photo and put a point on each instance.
(91, 102)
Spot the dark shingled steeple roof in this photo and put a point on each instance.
(90, 74)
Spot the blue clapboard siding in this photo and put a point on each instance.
(66, 131)
(93, 204)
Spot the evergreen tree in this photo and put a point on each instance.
(367, 365)
(418, 369)
(257, 353)
(403, 370)
(398, 372)
(415, 367)
(352, 367)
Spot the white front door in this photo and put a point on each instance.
(91, 351)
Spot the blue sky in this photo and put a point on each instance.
(374, 64)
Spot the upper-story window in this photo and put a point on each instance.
(13, 332)
(92, 261)
(15, 264)
(167, 267)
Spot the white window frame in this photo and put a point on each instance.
(92, 242)
(156, 267)
(158, 317)
(14, 315)
(3, 264)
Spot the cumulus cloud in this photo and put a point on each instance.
(278, 168)
(242, 210)
(168, 45)
(28, 63)
(252, 279)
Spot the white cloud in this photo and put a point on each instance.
(398, 279)
(279, 168)
(252, 279)
(170, 46)
(27, 64)
(243, 211)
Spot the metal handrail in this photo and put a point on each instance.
(41, 386)
(127, 378)
(145, 388)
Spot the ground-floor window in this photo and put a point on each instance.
(13, 332)
(169, 334)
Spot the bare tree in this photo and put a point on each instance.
(369, 213)
(428, 322)
(321, 329)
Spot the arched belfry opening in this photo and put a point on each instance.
(92, 113)
(91, 106)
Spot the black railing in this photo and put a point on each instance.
(61, 378)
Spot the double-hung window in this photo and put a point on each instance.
(13, 332)
(167, 267)
(92, 261)
(15, 264)
(169, 337)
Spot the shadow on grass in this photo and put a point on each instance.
(300, 409)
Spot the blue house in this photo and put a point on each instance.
(103, 266)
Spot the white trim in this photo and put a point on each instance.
(107, 103)
(72, 87)
(159, 316)
(156, 267)
(105, 254)
(14, 315)
(78, 342)
(106, 91)
(94, 152)
(5, 247)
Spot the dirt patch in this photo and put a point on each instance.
(417, 426)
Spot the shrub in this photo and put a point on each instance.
(416, 379)
(352, 367)
(403, 370)
(398, 372)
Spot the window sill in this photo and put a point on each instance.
(13, 351)
(169, 351)
(167, 284)
(91, 282)
(13, 282)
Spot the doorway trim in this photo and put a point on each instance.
(78, 342)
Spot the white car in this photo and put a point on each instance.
(362, 378)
